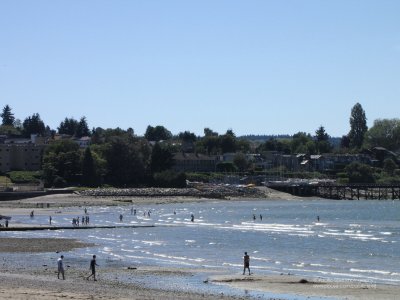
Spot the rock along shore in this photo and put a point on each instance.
(209, 191)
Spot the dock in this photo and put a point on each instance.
(31, 228)
(341, 191)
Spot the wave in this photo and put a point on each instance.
(371, 271)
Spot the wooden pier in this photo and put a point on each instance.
(342, 192)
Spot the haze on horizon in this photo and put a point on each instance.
(256, 67)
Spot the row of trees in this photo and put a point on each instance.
(120, 160)
(384, 133)
(119, 157)
(35, 125)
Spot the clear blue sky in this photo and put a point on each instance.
(256, 67)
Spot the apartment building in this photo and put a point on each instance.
(21, 154)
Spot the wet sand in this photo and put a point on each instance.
(25, 245)
(74, 200)
(289, 284)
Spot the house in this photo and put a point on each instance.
(83, 142)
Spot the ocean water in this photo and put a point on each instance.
(353, 240)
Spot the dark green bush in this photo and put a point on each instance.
(25, 176)
(169, 179)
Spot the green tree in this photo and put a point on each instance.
(208, 145)
(161, 159)
(187, 137)
(389, 166)
(89, 176)
(243, 145)
(279, 145)
(126, 162)
(7, 116)
(62, 160)
(384, 133)
(157, 133)
(9, 130)
(322, 144)
(359, 173)
(240, 162)
(82, 128)
(302, 143)
(228, 142)
(358, 126)
(68, 126)
(208, 132)
(345, 142)
(321, 135)
(33, 125)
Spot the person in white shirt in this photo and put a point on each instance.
(60, 265)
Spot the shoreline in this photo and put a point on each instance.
(310, 286)
(68, 200)
(40, 281)
(119, 281)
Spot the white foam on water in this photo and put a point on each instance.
(370, 271)
(261, 259)
(320, 224)
(300, 265)
(320, 265)
(232, 264)
(153, 243)
(351, 261)
(365, 239)
(104, 238)
(284, 228)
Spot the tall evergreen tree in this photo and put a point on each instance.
(88, 169)
(161, 159)
(68, 126)
(33, 125)
(322, 140)
(7, 116)
(82, 128)
(358, 126)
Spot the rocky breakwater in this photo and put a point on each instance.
(204, 191)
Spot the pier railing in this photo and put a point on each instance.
(340, 191)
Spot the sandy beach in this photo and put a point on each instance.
(20, 281)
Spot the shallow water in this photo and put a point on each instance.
(354, 240)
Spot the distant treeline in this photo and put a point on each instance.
(334, 141)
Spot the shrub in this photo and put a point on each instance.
(25, 176)
(170, 179)
(59, 181)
